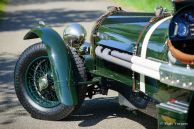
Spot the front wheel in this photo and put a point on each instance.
(34, 84)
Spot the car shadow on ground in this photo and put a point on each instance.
(18, 20)
(93, 112)
(96, 110)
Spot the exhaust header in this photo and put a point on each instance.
(166, 73)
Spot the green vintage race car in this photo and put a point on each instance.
(148, 58)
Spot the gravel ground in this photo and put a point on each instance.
(21, 15)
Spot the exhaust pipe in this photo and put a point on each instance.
(181, 77)
(137, 60)
(129, 62)
(105, 55)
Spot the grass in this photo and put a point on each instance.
(145, 5)
(2, 7)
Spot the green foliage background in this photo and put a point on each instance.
(145, 5)
(2, 6)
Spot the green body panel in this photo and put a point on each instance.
(157, 48)
(105, 69)
(121, 31)
(59, 57)
(122, 34)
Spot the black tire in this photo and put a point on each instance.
(57, 112)
(79, 75)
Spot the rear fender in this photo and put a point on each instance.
(59, 56)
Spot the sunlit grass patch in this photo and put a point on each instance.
(145, 5)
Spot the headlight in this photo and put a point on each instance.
(74, 34)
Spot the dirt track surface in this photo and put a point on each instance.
(101, 112)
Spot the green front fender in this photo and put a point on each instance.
(59, 56)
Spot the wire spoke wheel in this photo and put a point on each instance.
(40, 83)
(35, 88)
